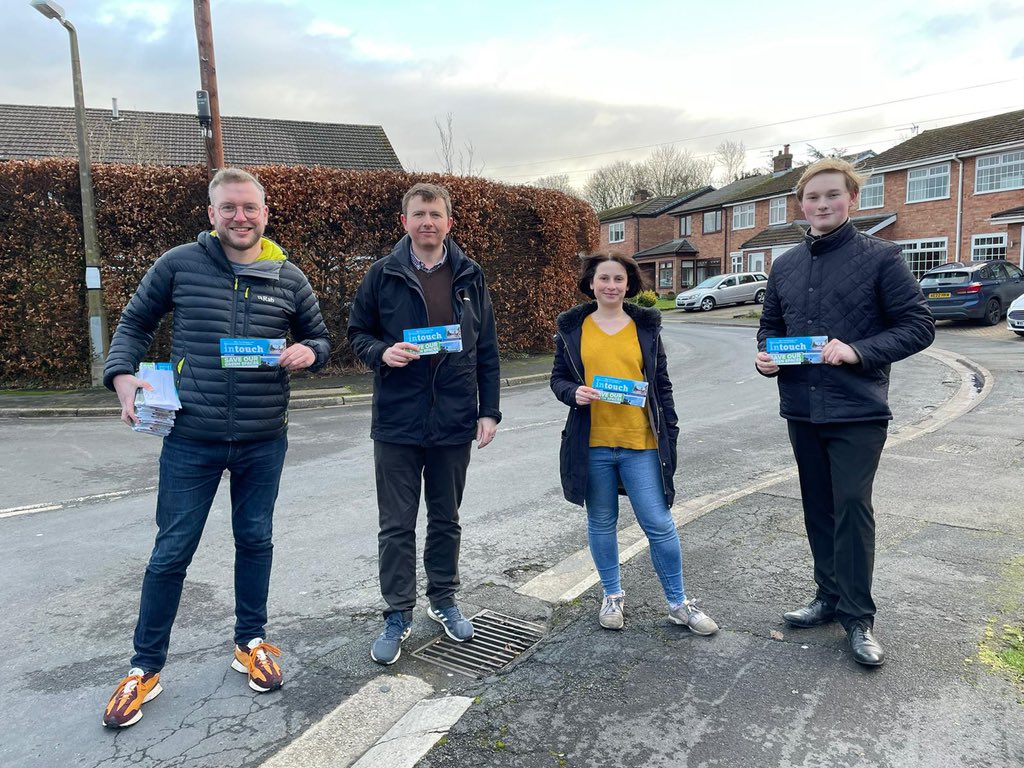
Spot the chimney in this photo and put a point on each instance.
(783, 161)
(641, 195)
(115, 116)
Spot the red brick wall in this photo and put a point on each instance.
(937, 218)
(708, 246)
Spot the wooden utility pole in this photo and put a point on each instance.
(208, 78)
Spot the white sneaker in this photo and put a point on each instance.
(610, 616)
(689, 615)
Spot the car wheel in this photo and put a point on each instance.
(707, 304)
(993, 312)
(759, 297)
(1019, 333)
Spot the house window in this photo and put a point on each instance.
(712, 221)
(743, 216)
(685, 226)
(996, 172)
(931, 183)
(685, 275)
(736, 262)
(985, 247)
(922, 255)
(757, 262)
(665, 275)
(617, 232)
(777, 211)
(872, 194)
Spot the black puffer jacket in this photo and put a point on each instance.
(855, 288)
(567, 376)
(421, 404)
(272, 299)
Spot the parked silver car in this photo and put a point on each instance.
(717, 291)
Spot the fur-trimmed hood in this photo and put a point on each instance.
(646, 318)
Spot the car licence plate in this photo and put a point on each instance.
(939, 295)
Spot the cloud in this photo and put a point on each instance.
(950, 25)
(1018, 51)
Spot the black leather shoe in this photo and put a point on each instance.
(818, 612)
(866, 649)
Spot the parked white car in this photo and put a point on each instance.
(1015, 316)
(717, 291)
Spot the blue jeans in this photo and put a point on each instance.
(190, 471)
(640, 472)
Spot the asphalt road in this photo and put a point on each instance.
(71, 571)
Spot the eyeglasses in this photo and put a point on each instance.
(228, 210)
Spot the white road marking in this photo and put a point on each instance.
(47, 507)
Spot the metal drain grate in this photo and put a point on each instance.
(497, 640)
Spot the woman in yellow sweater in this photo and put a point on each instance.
(607, 444)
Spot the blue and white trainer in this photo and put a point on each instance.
(388, 646)
(456, 626)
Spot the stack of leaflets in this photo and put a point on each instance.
(438, 338)
(796, 350)
(155, 408)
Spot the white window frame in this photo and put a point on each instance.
(776, 206)
(669, 268)
(736, 262)
(876, 186)
(685, 226)
(1007, 167)
(926, 175)
(617, 228)
(741, 214)
(934, 249)
(755, 262)
(988, 246)
(717, 215)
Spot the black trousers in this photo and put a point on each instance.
(401, 470)
(837, 464)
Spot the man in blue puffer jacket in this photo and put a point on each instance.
(858, 291)
(232, 283)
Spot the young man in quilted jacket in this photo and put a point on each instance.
(859, 292)
(230, 283)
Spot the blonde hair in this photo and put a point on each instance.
(235, 176)
(827, 164)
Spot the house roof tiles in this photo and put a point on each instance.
(165, 138)
(963, 138)
(650, 208)
(671, 247)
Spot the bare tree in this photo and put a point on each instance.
(465, 163)
(557, 181)
(671, 171)
(613, 185)
(816, 154)
(732, 157)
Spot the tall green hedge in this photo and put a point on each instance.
(333, 224)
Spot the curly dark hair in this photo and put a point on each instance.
(634, 280)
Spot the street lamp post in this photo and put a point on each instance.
(97, 315)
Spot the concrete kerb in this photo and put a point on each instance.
(301, 399)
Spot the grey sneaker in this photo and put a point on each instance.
(388, 646)
(456, 626)
(610, 616)
(688, 614)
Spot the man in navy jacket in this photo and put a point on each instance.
(427, 409)
(859, 292)
(230, 283)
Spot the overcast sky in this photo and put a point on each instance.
(546, 86)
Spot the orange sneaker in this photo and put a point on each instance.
(125, 706)
(254, 660)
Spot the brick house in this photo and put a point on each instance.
(957, 192)
(640, 225)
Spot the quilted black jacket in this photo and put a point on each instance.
(421, 404)
(567, 376)
(855, 288)
(271, 300)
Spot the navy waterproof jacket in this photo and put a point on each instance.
(568, 375)
(856, 288)
(420, 403)
(272, 299)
